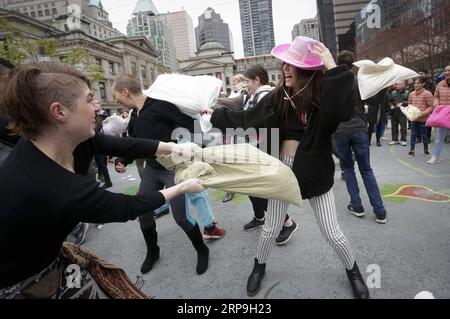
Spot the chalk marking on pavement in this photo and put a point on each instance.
(395, 194)
(266, 295)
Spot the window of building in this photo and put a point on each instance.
(111, 68)
(279, 77)
(133, 68)
(26, 13)
(47, 12)
(102, 88)
(54, 11)
(46, 5)
(38, 6)
(274, 77)
(227, 79)
(33, 14)
(53, 4)
(144, 74)
(40, 13)
(25, 9)
(98, 61)
(63, 59)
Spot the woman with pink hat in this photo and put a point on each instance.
(312, 98)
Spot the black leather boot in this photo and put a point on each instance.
(359, 287)
(202, 250)
(151, 240)
(254, 281)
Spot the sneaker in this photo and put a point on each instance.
(394, 143)
(433, 160)
(427, 154)
(411, 154)
(357, 211)
(381, 218)
(286, 233)
(213, 232)
(379, 143)
(253, 224)
(228, 197)
(78, 234)
(404, 143)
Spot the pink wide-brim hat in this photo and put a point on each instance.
(299, 54)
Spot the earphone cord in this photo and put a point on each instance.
(290, 97)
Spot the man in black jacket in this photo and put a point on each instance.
(158, 119)
(351, 137)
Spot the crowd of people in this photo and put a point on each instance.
(50, 118)
(421, 92)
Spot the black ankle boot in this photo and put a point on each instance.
(359, 287)
(151, 240)
(202, 250)
(254, 281)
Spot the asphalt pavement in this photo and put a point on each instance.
(409, 254)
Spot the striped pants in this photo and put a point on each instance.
(324, 208)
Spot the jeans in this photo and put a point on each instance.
(154, 180)
(201, 203)
(418, 128)
(440, 138)
(359, 144)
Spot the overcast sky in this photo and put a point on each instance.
(286, 13)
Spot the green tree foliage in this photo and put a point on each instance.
(17, 48)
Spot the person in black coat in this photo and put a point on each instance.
(301, 115)
(44, 190)
(376, 116)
